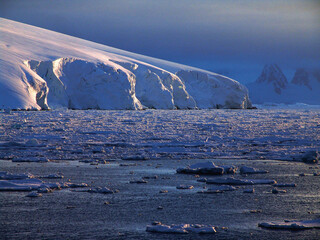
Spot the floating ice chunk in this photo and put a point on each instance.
(251, 170)
(234, 181)
(163, 191)
(185, 187)
(44, 190)
(103, 190)
(229, 169)
(10, 176)
(285, 185)
(75, 185)
(127, 164)
(31, 159)
(181, 228)
(202, 168)
(202, 180)
(135, 158)
(32, 143)
(28, 184)
(34, 194)
(249, 190)
(311, 157)
(292, 225)
(150, 177)
(219, 189)
(276, 191)
(138, 181)
(53, 176)
(222, 188)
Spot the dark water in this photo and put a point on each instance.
(168, 140)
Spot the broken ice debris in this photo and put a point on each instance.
(276, 191)
(150, 177)
(311, 157)
(34, 194)
(30, 159)
(28, 184)
(234, 181)
(52, 176)
(292, 225)
(219, 189)
(127, 164)
(135, 158)
(249, 190)
(180, 228)
(163, 191)
(251, 170)
(74, 185)
(103, 190)
(138, 181)
(10, 176)
(185, 187)
(207, 168)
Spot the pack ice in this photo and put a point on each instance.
(42, 69)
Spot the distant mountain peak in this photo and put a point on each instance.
(272, 74)
(301, 77)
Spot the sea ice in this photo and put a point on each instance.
(311, 157)
(219, 189)
(10, 176)
(138, 181)
(181, 228)
(34, 194)
(202, 168)
(234, 181)
(27, 184)
(103, 190)
(292, 225)
(185, 187)
(251, 170)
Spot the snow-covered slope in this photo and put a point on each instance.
(41, 69)
(272, 86)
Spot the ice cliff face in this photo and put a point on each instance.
(79, 84)
(41, 69)
(272, 86)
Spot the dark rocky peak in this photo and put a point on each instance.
(272, 74)
(301, 77)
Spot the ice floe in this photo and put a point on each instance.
(251, 170)
(34, 194)
(219, 189)
(139, 181)
(181, 228)
(10, 176)
(311, 157)
(235, 181)
(292, 225)
(276, 191)
(28, 182)
(103, 190)
(207, 168)
(185, 187)
(249, 190)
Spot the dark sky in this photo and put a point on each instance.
(232, 37)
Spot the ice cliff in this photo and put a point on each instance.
(41, 69)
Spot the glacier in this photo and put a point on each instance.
(42, 69)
